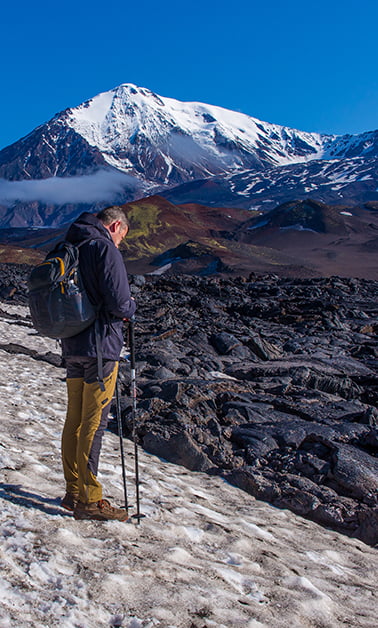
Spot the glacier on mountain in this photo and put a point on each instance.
(126, 116)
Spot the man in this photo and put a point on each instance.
(91, 359)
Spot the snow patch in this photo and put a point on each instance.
(297, 227)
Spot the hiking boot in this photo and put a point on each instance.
(69, 501)
(100, 511)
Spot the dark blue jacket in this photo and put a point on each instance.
(105, 279)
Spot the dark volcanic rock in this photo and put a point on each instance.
(179, 448)
(271, 383)
(355, 473)
(13, 282)
(224, 342)
(52, 358)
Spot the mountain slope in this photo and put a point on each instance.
(299, 239)
(351, 181)
(158, 225)
(331, 240)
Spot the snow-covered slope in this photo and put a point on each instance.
(351, 180)
(207, 555)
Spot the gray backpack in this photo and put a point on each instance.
(58, 302)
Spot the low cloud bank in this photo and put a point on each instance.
(104, 185)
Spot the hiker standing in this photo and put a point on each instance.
(91, 359)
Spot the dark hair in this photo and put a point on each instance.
(113, 213)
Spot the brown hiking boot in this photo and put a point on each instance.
(100, 511)
(69, 501)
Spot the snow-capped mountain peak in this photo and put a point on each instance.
(137, 143)
(184, 136)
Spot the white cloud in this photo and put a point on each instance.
(104, 185)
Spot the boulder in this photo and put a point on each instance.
(354, 472)
(177, 448)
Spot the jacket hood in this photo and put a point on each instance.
(85, 227)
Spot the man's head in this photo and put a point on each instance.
(115, 220)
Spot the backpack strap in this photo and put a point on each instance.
(100, 368)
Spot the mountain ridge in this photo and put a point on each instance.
(138, 143)
(128, 115)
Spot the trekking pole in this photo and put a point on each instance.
(138, 516)
(120, 432)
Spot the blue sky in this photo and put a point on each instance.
(309, 65)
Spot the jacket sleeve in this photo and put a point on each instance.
(113, 283)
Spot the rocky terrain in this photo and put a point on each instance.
(269, 382)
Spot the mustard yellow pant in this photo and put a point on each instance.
(86, 421)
